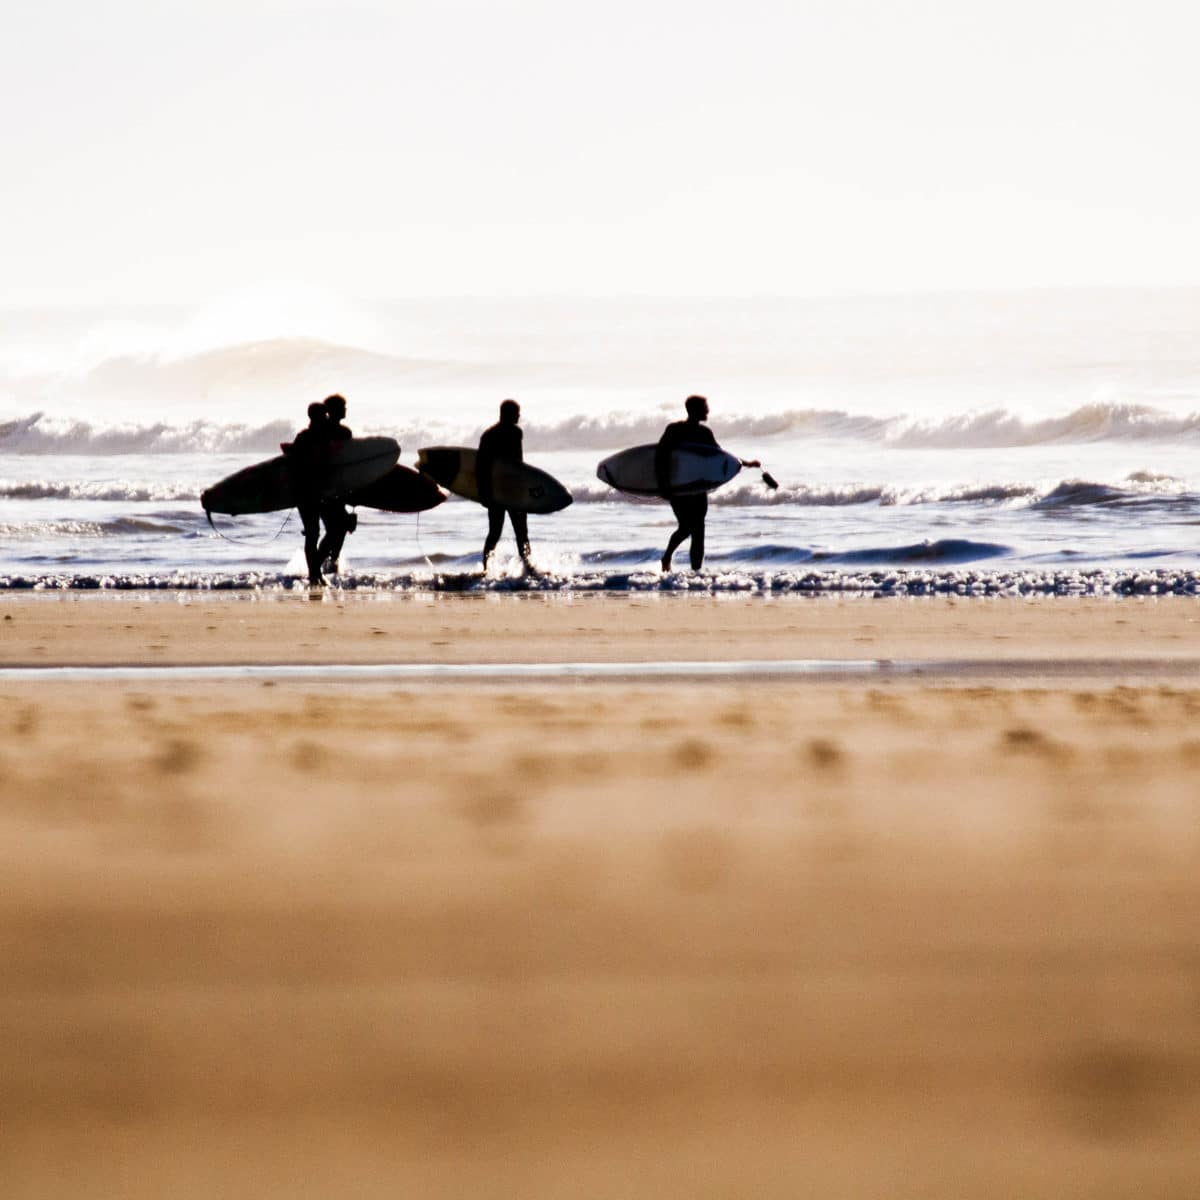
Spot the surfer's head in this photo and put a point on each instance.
(510, 412)
(697, 408)
(335, 406)
(316, 413)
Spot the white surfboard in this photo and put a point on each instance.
(694, 469)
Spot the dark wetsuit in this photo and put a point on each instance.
(333, 511)
(690, 511)
(501, 443)
(310, 450)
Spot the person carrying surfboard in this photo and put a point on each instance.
(338, 522)
(690, 510)
(501, 442)
(306, 453)
(309, 451)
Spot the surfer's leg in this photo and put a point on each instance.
(699, 513)
(673, 544)
(495, 529)
(337, 525)
(520, 525)
(679, 508)
(310, 518)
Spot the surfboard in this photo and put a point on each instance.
(401, 490)
(514, 485)
(694, 469)
(271, 485)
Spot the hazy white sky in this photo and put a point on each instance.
(160, 150)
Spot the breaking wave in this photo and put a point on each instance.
(109, 490)
(38, 433)
(999, 428)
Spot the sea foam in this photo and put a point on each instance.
(881, 583)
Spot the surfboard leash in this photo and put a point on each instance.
(245, 541)
(421, 549)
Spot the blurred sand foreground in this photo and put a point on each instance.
(729, 938)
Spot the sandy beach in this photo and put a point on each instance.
(897, 935)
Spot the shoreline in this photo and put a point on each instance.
(878, 582)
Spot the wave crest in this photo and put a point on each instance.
(111, 490)
(38, 433)
(1088, 423)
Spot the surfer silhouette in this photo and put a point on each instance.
(338, 522)
(501, 442)
(309, 451)
(690, 510)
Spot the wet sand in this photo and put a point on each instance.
(721, 938)
(50, 628)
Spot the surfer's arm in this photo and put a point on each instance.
(767, 477)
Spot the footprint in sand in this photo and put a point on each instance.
(177, 756)
(693, 755)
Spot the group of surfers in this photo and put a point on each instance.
(501, 442)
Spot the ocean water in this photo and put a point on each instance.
(1023, 441)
